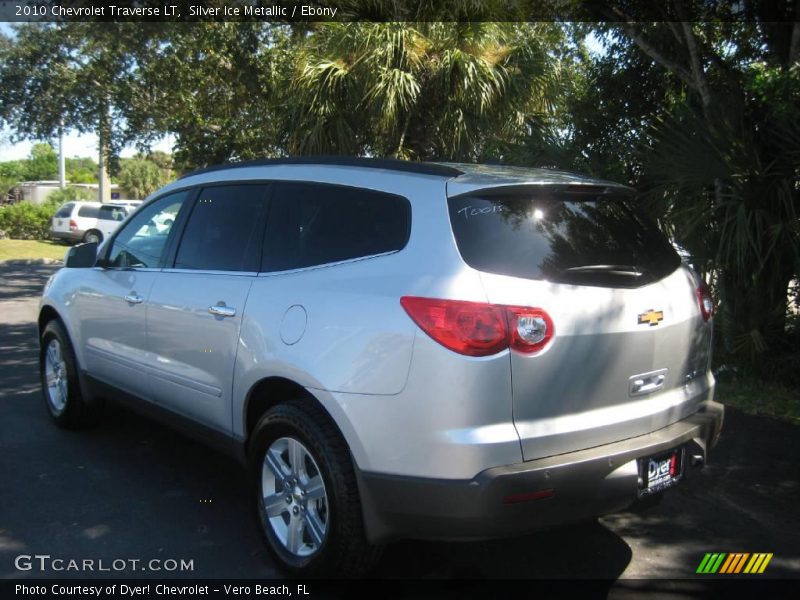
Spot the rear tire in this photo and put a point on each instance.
(61, 386)
(306, 493)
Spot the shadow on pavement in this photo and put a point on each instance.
(18, 281)
(19, 349)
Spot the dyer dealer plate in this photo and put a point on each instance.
(660, 472)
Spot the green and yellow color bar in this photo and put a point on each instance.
(735, 562)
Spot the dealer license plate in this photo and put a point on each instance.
(660, 472)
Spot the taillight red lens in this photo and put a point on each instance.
(705, 300)
(470, 328)
(480, 329)
(72, 225)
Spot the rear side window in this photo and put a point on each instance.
(314, 224)
(583, 240)
(112, 213)
(225, 229)
(88, 211)
(65, 211)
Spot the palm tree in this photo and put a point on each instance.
(417, 90)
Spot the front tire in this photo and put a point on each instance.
(92, 236)
(306, 493)
(61, 387)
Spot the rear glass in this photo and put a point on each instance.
(65, 211)
(582, 240)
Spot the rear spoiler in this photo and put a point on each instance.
(455, 189)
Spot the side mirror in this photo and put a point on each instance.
(82, 256)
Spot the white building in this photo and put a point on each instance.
(36, 192)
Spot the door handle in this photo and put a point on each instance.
(647, 383)
(134, 298)
(220, 310)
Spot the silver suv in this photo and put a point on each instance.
(396, 349)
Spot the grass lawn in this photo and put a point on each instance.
(760, 398)
(27, 249)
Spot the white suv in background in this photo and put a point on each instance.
(88, 221)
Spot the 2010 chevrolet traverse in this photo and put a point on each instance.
(438, 351)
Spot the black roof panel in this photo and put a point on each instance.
(422, 168)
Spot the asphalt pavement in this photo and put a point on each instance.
(133, 489)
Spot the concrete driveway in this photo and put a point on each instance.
(133, 489)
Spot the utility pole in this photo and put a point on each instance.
(62, 170)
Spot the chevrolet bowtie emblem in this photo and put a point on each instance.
(651, 317)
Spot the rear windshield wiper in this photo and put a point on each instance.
(626, 270)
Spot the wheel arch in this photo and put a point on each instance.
(46, 314)
(271, 391)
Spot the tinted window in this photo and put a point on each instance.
(65, 211)
(88, 211)
(314, 224)
(112, 213)
(225, 229)
(567, 239)
(142, 241)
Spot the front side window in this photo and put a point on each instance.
(143, 240)
(225, 229)
(314, 224)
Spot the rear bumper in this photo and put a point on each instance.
(572, 486)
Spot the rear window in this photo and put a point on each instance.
(65, 211)
(577, 239)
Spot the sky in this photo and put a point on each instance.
(75, 144)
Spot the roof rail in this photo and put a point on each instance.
(391, 164)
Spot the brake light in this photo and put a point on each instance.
(72, 225)
(478, 328)
(705, 300)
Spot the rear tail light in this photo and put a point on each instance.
(72, 225)
(530, 329)
(480, 329)
(705, 300)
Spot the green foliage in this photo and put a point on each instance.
(140, 177)
(761, 397)
(13, 169)
(11, 173)
(69, 194)
(417, 90)
(81, 170)
(42, 164)
(26, 221)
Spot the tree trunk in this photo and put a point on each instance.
(103, 134)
